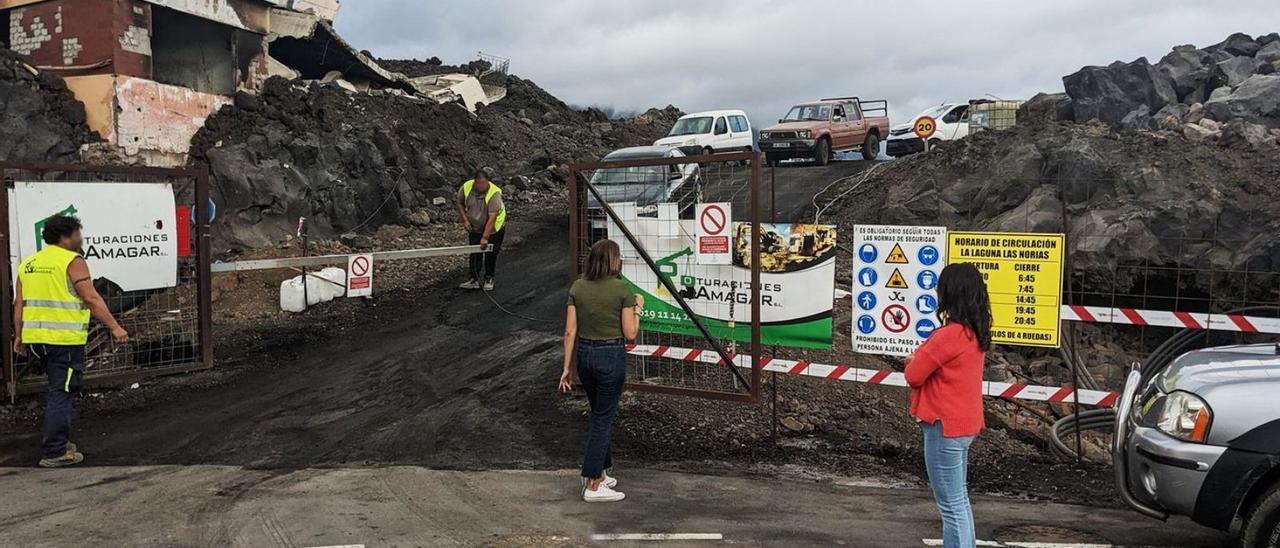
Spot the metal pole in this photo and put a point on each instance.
(6, 301)
(575, 251)
(773, 375)
(204, 282)
(755, 277)
(302, 231)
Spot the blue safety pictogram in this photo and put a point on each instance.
(866, 324)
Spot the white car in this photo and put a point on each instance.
(953, 123)
(710, 132)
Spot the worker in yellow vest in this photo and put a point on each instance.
(54, 298)
(484, 216)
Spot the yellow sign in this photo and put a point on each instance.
(897, 256)
(896, 281)
(925, 126)
(1024, 278)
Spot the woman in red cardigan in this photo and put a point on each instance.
(945, 375)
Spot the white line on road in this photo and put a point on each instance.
(656, 536)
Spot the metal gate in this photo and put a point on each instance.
(170, 328)
(609, 199)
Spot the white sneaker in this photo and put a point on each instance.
(488, 284)
(470, 284)
(610, 482)
(602, 494)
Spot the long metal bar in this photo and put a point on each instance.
(575, 246)
(204, 278)
(320, 260)
(671, 288)
(756, 351)
(643, 162)
(85, 168)
(6, 301)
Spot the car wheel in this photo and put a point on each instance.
(822, 152)
(931, 143)
(1261, 528)
(870, 147)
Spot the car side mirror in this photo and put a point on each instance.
(780, 121)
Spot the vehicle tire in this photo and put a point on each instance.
(931, 143)
(822, 152)
(1261, 527)
(870, 147)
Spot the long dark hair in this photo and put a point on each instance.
(604, 261)
(962, 298)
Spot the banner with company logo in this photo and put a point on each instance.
(797, 282)
(130, 229)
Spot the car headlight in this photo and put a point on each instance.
(803, 134)
(764, 135)
(691, 142)
(1183, 415)
(647, 210)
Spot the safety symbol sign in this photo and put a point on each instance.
(896, 273)
(360, 275)
(713, 238)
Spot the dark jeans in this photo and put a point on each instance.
(64, 366)
(602, 369)
(483, 264)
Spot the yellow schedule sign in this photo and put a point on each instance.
(1024, 277)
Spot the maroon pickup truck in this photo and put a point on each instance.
(820, 129)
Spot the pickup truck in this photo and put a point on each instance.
(822, 128)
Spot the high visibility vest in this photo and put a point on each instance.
(493, 191)
(52, 311)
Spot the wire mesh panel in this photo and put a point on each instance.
(701, 315)
(165, 309)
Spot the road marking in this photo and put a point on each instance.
(656, 536)
(1015, 544)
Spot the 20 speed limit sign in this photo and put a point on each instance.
(925, 127)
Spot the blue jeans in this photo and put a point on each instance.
(602, 369)
(947, 460)
(64, 366)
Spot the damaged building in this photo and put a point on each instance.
(149, 72)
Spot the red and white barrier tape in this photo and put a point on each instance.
(1004, 390)
(1162, 318)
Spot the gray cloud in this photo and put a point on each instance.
(763, 55)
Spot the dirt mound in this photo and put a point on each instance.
(355, 161)
(1151, 198)
(39, 117)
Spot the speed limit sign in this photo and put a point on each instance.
(925, 126)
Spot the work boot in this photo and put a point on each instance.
(470, 284)
(69, 458)
(488, 284)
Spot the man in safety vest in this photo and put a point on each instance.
(54, 298)
(484, 216)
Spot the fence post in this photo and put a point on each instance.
(6, 301)
(204, 282)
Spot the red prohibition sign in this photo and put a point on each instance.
(359, 266)
(713, 220)
(895, 318)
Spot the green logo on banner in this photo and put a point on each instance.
(70, 210)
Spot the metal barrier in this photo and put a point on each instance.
(608, 199)
(170, 328)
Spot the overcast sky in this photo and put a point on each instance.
(763, 55)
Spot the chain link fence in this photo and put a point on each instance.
(169, 326)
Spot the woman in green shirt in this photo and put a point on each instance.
(603, 314)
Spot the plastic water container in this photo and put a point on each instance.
(322, 287)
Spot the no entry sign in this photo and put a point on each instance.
(713, 222)
(360, 275)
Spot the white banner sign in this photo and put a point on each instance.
(130, 229)
(895, 278)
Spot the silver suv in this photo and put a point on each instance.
(1202, 439)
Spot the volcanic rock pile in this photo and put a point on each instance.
(39, 118)
(1228, 92)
